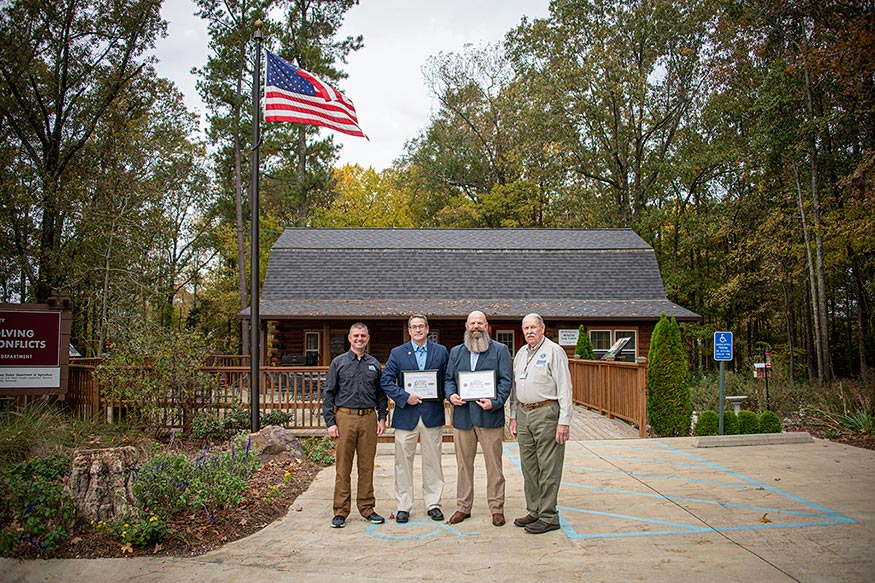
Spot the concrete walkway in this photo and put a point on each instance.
(655, 510)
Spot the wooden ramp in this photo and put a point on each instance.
(588, 425)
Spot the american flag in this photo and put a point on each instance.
(292, 94)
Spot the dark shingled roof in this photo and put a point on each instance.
(559, 273)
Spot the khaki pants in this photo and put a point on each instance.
(465, 441)
(429, 439)
(541, 459)
(357, 439)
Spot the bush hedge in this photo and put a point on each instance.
(770, 423)
(707, 424)
(748, 422)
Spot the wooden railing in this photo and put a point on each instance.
(615, 389)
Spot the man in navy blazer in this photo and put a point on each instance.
(417, 419)
(480, 421)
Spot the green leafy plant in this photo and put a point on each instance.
(34, 510)
(276, 417)
(236, 420)
(858, 422)
(669, 408)
(319, 450)
(584, 346)
(769, 422)
(707, 424)
(207, 427)
(748, 422)
(140, 532)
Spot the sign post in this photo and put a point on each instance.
(722, 354)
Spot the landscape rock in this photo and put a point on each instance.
(278, 443)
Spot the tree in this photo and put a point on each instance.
(63, 65)
(669, 408)
(364, 198)
(620, 79)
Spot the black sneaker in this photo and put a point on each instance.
(436, 514)
(338, 521)
(375, 518)
(402, 516)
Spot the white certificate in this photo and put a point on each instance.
(474, 385)
(421, 382)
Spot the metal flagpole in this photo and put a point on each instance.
(254, 314)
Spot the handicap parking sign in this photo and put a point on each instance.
(722, 346)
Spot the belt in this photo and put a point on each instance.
(530, 406)
(359, 412)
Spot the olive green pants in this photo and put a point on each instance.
(541, 459)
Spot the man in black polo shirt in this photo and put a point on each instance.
(355, 407)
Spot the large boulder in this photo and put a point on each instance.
(277, 443)
(100, 483)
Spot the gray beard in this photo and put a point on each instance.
(477, 345)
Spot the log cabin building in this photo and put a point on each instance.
(320, 281)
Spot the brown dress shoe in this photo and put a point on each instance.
(524, 520)
(458, 516)
(540, 527)
(498, 519)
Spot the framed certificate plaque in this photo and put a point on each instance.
(478, 384)
(423, 383)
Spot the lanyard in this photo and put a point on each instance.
(534, 352)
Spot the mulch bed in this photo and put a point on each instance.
(269, 498)
(863, 440)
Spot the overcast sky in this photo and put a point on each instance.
(385, 77)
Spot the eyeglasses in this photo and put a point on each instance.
(418, 327)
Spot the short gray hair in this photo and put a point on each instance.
(534, 316)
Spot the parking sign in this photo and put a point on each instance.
(722, 346)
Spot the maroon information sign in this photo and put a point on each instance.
(30, 348)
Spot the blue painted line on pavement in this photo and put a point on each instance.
(374, 531)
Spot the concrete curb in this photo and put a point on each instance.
(753, 439)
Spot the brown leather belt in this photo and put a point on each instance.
(530, 406)
(359, 412)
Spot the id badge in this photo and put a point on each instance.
(523, 374)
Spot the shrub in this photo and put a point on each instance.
(584, 346)
(207, 427)
(276, 417)
(669, 408)
(34, 510)
(319, 450)
(730, 422)
(748, 422)
(707, 424)
(769, 423)
(159, 370)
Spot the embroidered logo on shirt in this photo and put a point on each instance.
(371, 367)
